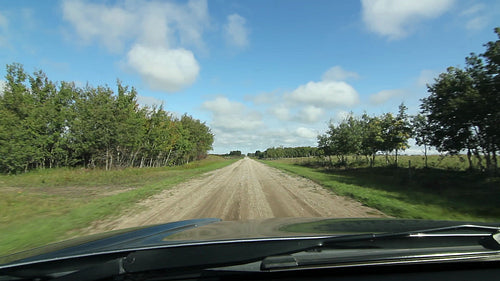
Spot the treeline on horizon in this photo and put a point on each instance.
(286, 152)
(45, 125)
(461, 115)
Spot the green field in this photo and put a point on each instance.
(43, 206)
(447, 192)
(440, 162)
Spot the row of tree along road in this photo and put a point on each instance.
(44, 124)
(47, 125)
(461, 115)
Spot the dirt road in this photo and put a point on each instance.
(244, 190)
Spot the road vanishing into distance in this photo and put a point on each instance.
(244, 190)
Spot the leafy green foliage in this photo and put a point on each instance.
(44, 206)
(421, 133)
(366, 136)
(437, 194)
(235, 153)
(287, 152)
(463, 108)
(45, 125)
(460, 114)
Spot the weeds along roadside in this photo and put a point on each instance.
(38, 208)
(439, 194)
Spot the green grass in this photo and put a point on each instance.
(427, 194)
(33, 213)
(68, 177)
(441, 162)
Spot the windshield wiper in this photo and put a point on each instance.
(211, 254)
(421, 246)
(488, 238)
(226, 253)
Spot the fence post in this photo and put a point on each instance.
(409, 170)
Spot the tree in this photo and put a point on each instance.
(421, 132)
(348, 138)
(235, 153)
(387, 121)
(462, 108)
(16, 140)
(400, 131)
(343, 139)
(259, 154)
(198, 135)
(372, 140)
(367, 136)
(130, 128)
(446, 110)
(45, 125)
(491, 96)
(325, 144)
(287, 152)
(94, 128)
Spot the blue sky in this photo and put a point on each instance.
(259, 73)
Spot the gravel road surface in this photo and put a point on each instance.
(244, 190)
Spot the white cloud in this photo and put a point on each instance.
(263, 137)
(164, 69)
(155, 35)
(222, 105)
(3, 21)
(310, 114)
(341, 115)
(264, 98)
(238, 127)
(109, 25)
(385, 95)
(284, 114)
(150, 23)
(235, 31)
(473, 10)
(477, 17)
(306, 133)
(309, 102)
(149, 101)
(3, 30)
(325, 94)
(191, 20)
(230, 116)
(476, 23)
(337, 73)
(155, 28)
(281, 112)
(418, 150)
(3, 85)
(426, 77)
(396, 19)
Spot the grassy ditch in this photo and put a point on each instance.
(419, 193)
(45, 206)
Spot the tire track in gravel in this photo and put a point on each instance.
(244, 190)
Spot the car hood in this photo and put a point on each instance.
(211, 229)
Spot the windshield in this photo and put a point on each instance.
(125, 114)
